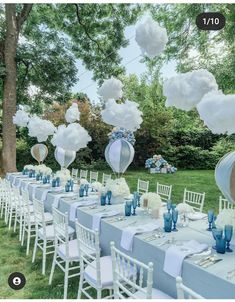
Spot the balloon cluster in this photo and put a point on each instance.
(72, 114)
(111, 89)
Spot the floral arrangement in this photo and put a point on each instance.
(226, 216)
(97, 186)
(154, 200)
(83, 181)
(64, 175)
(29, 167)
(121, 132)
(118, 187)
(184, 208)
(158, 162)
(43, 169)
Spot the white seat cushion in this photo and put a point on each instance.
(156, 294)
(50, 234)
(106, 272)
(73, 251)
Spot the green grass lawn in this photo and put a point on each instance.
(13, 258)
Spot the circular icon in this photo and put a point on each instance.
(16, 281)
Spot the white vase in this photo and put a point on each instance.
(116, 199)
(152, 170)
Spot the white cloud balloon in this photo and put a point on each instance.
(150, 36)
(73, 137)
(126, 115)
(185, 91)
(21, 118)
(217, 110)
(40, 128)
(111, 89)
(72, 114)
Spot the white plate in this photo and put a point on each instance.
(197, 216)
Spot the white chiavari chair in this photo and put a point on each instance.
(142, 186)
(225, 204)
(29, 222)
(74, 174)
(105, 177)
(13, 205)
(4, 191)
(66, 250)
(128, 278)
(194, 199)
(184, 292)
(83, 174)
(95, 271)
(44, 233)
(164, 191)
(93, 176)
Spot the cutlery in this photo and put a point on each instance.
(164, 242)
(211, 262)
(205, 259)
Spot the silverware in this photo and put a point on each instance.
(205, 259)
(211, 262)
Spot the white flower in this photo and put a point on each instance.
(64, 175)
(83, 181)
(97, 186)
(226, 216)
(43, 169)
(29, 167)
(72, 114)
(118, 187)
(184, 208)
(154, 200)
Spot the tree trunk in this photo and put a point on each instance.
(9, 91)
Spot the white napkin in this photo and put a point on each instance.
(175, 256)
(129, 233)
(58, 196)
(97, 217)
(44, 195)
(197, 216)
(75, 205)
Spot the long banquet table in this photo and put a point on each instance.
(209, 282)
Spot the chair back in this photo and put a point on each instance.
(83, 174)
(61, 229)
(105, 177)
(194, 199)
(184, 292)
(128, 275)
(142, 186)
(89, 249)
(93, 176)
(38, 208)
(225, 204)
(164, 191)
(74, 173)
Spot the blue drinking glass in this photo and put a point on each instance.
(30, 174)
(213, 225)
(220, 245)
(228, 234)
(86, 188)
(38, 177)
(103, 199)
(57, 181)
(81, 191)
(128, 206)
(217, 234)
(67, 186)
(44, 180)
(167, 222)
(173, 206)
(174, 219)
(71, 185)
(26, 171)
(134, 204)
(109, 195)
(210, 216)
(168, 206)
(48, 179)
(53, 183)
